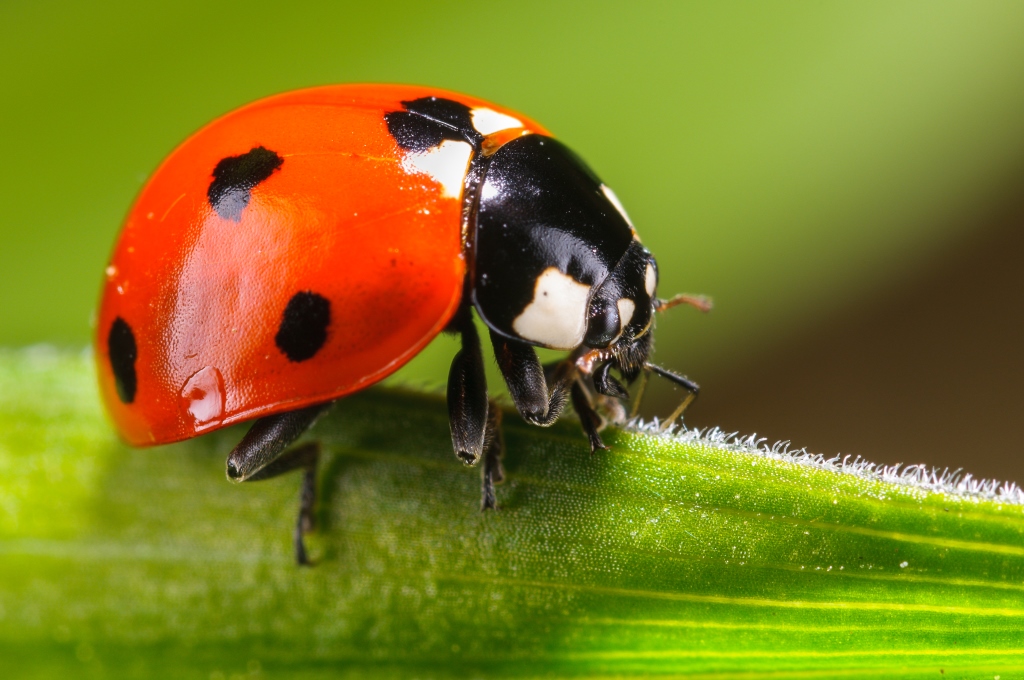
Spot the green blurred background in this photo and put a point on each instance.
(843, 178)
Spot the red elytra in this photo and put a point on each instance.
(204, 294)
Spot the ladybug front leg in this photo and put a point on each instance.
(534, 399)
(591, 421)
(261, 455)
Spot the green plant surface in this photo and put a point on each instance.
(665, 555)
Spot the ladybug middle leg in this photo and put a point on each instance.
(262, 455)
(467, 392)
(475, 421)
(494, 448)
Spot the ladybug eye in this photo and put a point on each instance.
(603, 325)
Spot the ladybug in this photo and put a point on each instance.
(307, 245)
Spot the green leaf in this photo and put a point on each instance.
(664, 555)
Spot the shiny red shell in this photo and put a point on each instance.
(343, 217)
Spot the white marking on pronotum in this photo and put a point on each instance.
(557, 315)
(446, 163)
(650, 280)
(626, 309)
(614, 200)
(488, 121)
(491, 189)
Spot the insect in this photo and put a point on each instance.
(306, 246)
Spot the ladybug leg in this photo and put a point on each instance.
(634, 410)
(494, 448)
(467, 394)
(589, 417)
(304, 458)
(261, 455)
(692, 389)
(267, 439)
(538, 403)
(605, 384)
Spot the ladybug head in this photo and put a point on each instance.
(558, 263)
(622, 310)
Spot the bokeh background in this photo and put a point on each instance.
(844, 178)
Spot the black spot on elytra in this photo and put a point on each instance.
(235, 177)
(123, 352)
(428, 121)
(303, 328)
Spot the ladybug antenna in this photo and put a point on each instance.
(701, 302)
(692, 389)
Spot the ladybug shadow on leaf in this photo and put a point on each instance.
(391, 449)
(387, 473)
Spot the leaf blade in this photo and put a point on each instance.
(662, 556)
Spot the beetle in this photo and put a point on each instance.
(307, 245)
